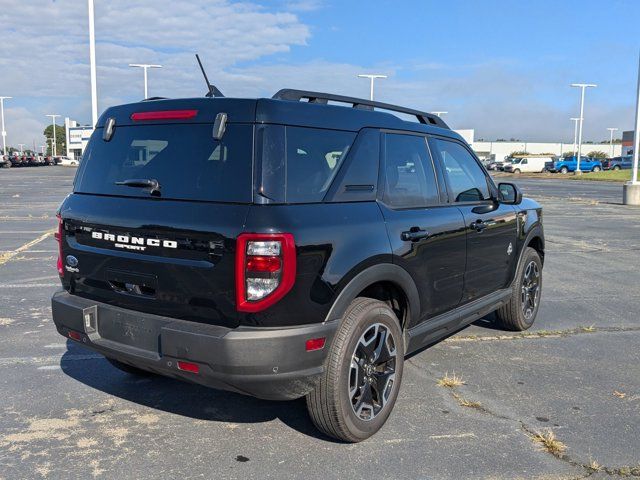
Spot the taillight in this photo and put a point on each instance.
(265, 269)
(58, 237)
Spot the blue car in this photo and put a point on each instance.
(621, 163)
(569, 164)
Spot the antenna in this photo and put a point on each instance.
(213, 91)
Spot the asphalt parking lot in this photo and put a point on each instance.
(66, 413)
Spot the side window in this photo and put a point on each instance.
(313, 159)
(359, 180)
(525, 161)
(410, 178)
(467, 181)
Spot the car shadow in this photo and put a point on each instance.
(183, 398)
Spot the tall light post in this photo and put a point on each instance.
(4, 134)
(611, 130)
(582, 87)
(92, 63)
(372, 77)
(575, 133)
(145, 67)
(631, 190)
(439, 113)
(53, 141)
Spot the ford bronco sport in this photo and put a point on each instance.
(300, 245)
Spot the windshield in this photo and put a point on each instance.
(516, 161)
(185, 160)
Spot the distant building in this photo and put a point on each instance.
(501, 150)
(77, 137)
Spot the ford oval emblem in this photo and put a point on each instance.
(72, 261)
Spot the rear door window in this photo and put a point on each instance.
(185, 160)
(410, 178)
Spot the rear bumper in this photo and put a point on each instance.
(269, 363)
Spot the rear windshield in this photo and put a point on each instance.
(184, 159)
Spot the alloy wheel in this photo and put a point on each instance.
(530, 290)
(372, 371)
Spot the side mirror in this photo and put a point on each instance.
(510, 193)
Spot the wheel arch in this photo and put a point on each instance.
(387, 282)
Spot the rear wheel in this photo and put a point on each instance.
(359, 387)
(128, 368)
(521, 310)
(616, 167)
(596, 169)
(564, 170)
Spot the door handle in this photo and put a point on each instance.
(479, 225)
(414, 234)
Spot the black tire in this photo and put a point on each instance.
(331, 404)
(517, 171)
(521, 310)
(128, 368)
(596, 169)
(616, 167)
(564, 170)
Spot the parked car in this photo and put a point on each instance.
(495, 165)
(5, 161)
(527, 164)
(507, 161)
(49, 160)
(621, 163)
(67, 162)
(290, 254)
(569, 164)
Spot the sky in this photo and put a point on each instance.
(500, 67)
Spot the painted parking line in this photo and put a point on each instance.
(5, 257)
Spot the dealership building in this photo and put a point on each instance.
(77, 137)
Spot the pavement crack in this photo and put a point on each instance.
(584, 330)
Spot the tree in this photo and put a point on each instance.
(597, 154)
(569, 154)
(61, 139)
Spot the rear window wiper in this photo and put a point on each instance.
(151, 183)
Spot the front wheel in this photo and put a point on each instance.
(359, 387)
(617, 167)
(596, 169)
(564, 170)
(517, 171)
(521, 310)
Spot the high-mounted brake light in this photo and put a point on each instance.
(58, 237)
(265, 269)
(164, 115)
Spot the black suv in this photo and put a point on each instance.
(288, 246)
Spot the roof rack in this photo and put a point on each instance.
(324, 98)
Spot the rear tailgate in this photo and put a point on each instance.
(167, 250)
(164, 257)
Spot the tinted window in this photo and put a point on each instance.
(410, 179)
(185, 160)
(467, 180)
(359, 181)
(299, 164)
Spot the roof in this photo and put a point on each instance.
(277, 111)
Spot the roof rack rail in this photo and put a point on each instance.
(324, 98)
(153, 98)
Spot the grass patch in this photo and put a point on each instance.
(608, 176)
(547, 439)
(450, 381)
(589, 329)
(619, 394)
(466, 403)
(594, 466)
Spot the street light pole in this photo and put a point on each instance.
(53, 141)
(92, 63)
(611, 130)
(439, 113)
(145, 67)
(583, 87)
(575, 133)
(371, 77)
(4, 134)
